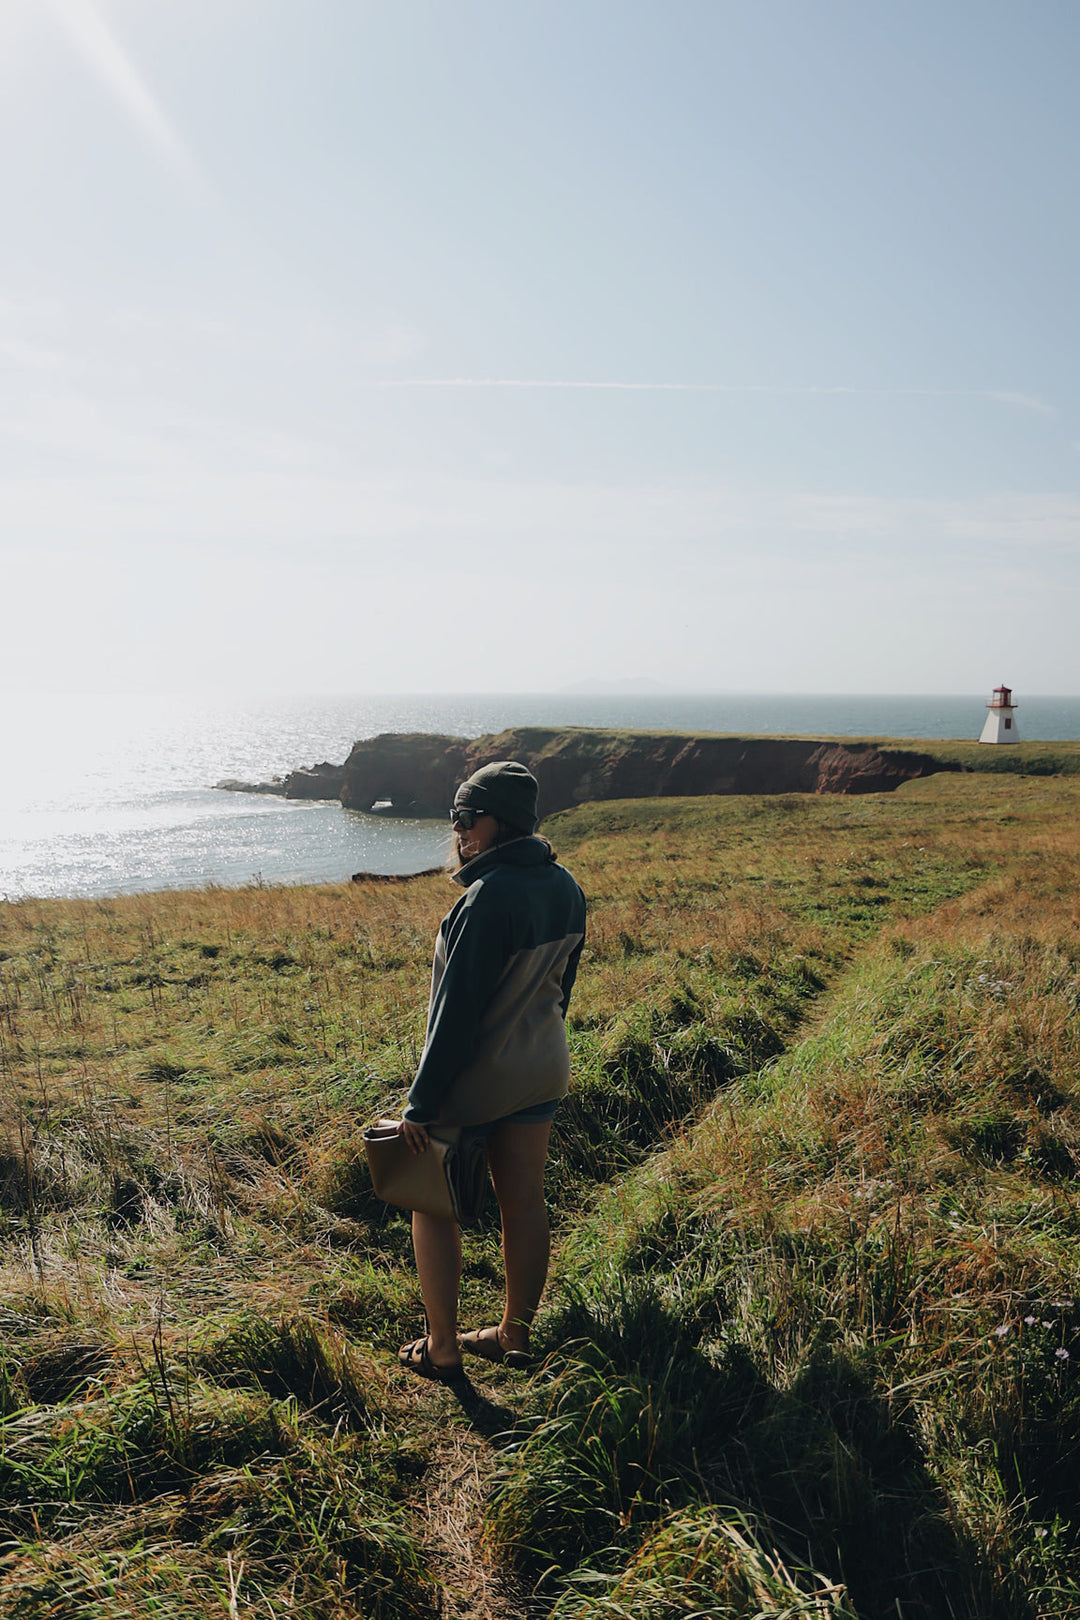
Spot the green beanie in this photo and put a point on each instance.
(504, 789)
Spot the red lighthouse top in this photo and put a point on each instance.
(1002, 698)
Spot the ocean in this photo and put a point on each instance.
(109, 795)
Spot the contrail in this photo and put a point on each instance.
(92, 37)
(1027, 402)
(643, 387)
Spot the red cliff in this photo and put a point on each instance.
(418, 773)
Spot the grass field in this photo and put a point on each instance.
(812, 1331)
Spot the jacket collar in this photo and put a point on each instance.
(524, 851)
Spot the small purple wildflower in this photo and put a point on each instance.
(1001, 1330)
(1048, 1324)
(1062, 1355)
(1029, 1321)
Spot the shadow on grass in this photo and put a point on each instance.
(640, 1421)
(486, 1416)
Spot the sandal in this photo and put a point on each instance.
(486, 1342)
(416, 1357)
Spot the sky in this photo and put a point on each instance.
(381, 345)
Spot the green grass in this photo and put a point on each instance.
(704, 1562)
(823, 1142)
(847, 1300)
(1021, 759)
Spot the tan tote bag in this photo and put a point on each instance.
(449, 1179)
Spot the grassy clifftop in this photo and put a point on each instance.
(417, 774)
(1025, 758)
(1022, 759)
(812, 1328)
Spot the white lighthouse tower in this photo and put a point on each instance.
(1000, 724)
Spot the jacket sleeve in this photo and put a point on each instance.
(570, 974)
(570, 971)
(477, 951)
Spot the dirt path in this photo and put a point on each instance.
(472, 1584)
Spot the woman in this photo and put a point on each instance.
(495, 1058)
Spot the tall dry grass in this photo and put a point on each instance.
(201, 1300)
(847, 1301)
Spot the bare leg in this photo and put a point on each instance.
(517, 1153)
(437, 1245)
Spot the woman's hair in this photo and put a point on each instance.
(505, 835)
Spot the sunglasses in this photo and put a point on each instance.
(462, 815)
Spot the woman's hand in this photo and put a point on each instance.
(416, 1136)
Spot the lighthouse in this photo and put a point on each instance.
(1000, 724)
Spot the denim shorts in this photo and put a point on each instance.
(538, 1114)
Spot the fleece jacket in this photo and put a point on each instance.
(505, 961)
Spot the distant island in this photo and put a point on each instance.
(630, 686)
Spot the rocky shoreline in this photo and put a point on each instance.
(415, 773)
